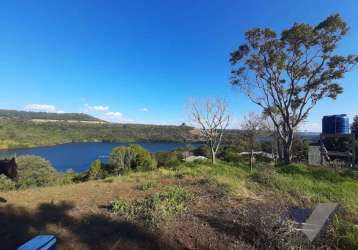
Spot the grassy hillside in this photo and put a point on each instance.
(193, 206)
(15, 133)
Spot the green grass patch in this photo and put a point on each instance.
(344, 234)
(160, 207)
(144, 186)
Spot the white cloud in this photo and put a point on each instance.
(103, 112)
(115, 117)
(144, 109)
(41, 108)
(114, 114)
(96, 108)
(100, 108)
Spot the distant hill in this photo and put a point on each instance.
(31, 129)
(43, 116)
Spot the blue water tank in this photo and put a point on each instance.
(335, 124)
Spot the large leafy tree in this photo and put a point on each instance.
(288, 74)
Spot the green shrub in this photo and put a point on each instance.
(68, 177)
(143, 160)
(119, 206)
(80, 177)
(96, 171)
(171, 202)
(203, 150)
(229, 154)
(6, 184)
(343, 234)
(35, 171)
(133, 157)
(167, 159)
(120, 160)
(146, 186)
(155, 209)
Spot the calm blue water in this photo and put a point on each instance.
(78, 156)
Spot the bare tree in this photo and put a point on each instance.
(253, 126)
(288, 74)
(213, 118)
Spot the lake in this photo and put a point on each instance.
(78, 156)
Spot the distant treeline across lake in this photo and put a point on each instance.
(78, 156)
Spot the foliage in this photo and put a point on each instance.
(299, 149)
(68, 177)
(6, 184)
(96, 171)
(160, 207)
(146, 186)
(288, 75)
(230, 153)
(203, 150)
(167, 159)
(119, 206)
(35, 171)
(120, 160)
(133, 157)
(143, 160)
(343, 234)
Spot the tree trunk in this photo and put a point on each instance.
(213, 157)
(251, 159)
(279, 146)
(287, 147)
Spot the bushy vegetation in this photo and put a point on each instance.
(146, 185)
(35, 171)
(167, 159)
(230, 153)
(160, 207)
(69, 177)
(6, 184)
(96, 171)
(133, 157)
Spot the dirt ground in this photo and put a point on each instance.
(79, 217)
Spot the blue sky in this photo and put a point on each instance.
(142, 61)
